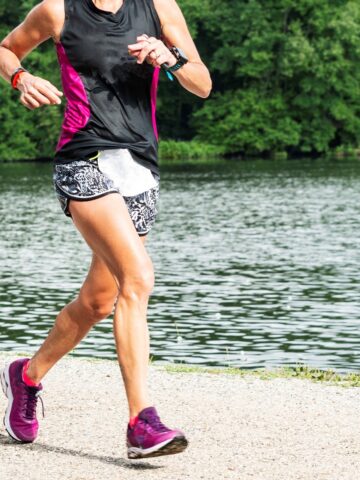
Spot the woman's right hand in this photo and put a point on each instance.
(36, 91)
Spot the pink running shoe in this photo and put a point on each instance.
(150, 438)
(20, 417)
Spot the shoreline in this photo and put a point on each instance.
(238, 426)
(300, 372)
(192, 152)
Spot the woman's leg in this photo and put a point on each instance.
(94, 302)
(106, 226)
(121, 269)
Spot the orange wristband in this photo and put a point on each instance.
(15, 77)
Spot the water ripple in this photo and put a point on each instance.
(256, 265)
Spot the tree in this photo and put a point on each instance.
(287, 73)
(28, 133)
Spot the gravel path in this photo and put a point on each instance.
(238, 428)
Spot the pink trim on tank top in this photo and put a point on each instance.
(154, 87)
(77, 111)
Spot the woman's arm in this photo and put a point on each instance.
(35, 29)
(194, 75)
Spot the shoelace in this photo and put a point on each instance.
(155, 423)
(30, 405)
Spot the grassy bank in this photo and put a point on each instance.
(301, 372)
(347, 152)
(192, 152)
(173, 151)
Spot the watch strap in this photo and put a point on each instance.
(176, 66)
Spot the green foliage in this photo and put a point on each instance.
(286, 78)
(247, 121)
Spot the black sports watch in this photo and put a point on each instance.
(181, 57)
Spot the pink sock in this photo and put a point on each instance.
(133, 421)
(25, 378)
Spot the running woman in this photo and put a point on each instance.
(106, 177)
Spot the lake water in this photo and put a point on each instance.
(257, 264)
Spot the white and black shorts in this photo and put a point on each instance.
(106, 172)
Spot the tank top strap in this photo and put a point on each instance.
(156, 18)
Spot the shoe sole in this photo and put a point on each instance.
(5, 384)
(170, 447)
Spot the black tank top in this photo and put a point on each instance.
(111, 100)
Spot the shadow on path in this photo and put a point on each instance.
(6, 441)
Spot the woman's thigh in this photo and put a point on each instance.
(107, 228)
(100, 287)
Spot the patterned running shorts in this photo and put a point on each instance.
(85, 180)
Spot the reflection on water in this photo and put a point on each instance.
(257, 264)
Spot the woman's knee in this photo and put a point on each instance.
(96, 308)
(139, 285)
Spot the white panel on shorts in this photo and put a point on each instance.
(127, 174)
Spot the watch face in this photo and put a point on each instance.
(182, 55)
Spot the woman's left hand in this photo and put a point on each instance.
(153, 50)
